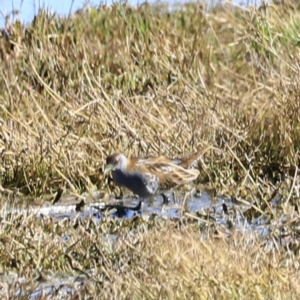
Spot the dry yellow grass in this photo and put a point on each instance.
(149, 260)
(146, 80)
(143, 80)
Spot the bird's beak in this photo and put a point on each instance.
(108, 168)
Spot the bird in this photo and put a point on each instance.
(150, 176)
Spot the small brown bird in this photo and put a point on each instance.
(150, 176)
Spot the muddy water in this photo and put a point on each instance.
(128, 207)
(90, 206)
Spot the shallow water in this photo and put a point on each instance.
(90, 206)
(219, 210)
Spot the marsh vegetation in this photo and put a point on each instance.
(150, 80)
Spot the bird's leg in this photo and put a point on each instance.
(167, 198)
(139, 206)
(174, 197)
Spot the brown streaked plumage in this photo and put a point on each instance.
(192, 160)
(149, 176)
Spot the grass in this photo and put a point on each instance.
(149, 259)
(148, 80)
(144, 80)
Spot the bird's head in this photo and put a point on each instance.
(116, 161)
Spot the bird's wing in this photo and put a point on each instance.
(191, 161)
(168, 174)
